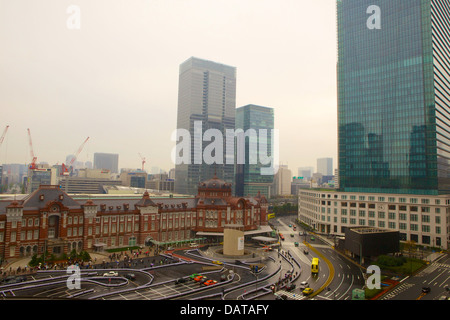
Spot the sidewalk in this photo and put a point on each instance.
(14, 264)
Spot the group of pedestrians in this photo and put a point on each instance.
(130, 258)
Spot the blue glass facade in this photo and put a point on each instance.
(393, 96)
(249, 180)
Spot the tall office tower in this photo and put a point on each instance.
(108, 161)
(206, 100)
(249, 180)
(394, 96)
(325, 166)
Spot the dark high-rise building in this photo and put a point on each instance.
(109, 161)
(249, 180)
(206, 100)
(394, 96)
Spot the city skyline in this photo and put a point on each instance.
(66, 85)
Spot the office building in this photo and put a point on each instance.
(419, 218)
(282, 180)
(206, 100)
(325, 166)
(249, 180)
(82, 185)
(42, 174)
(393, 122)
(109, 161)
(393, 96)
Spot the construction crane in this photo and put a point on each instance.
(65, 169)
(33, 158)
(143, 161)
(3, 135)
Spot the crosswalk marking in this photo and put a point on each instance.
(294, 296)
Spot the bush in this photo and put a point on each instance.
(389, 261)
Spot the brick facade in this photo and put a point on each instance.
(49, 219)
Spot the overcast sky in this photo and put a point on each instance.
(115, 79)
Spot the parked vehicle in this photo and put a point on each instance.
(111, 274)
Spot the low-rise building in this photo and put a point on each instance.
(424, 219)
(51, 220)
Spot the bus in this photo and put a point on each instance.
(315, 266)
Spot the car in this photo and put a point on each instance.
(209, 282)
(300, 233)
(193, 245)
(281, 297)
(217, 262)
(194, 275)
(312, 238)
(296, 244)
(292, 235)
(111, 274)
(304, 285)
(290, 225)
(290, 287)
(223, 277)
(307, 291)
(200, 278)
(170, 248)
(305, 251)
(180, 280)
(130, 276)
(426, 289)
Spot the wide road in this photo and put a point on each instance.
(435, 276)
(337, 279)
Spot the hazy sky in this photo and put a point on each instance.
(115, 79)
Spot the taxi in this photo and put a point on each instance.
(307, 291)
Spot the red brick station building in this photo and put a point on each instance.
(49, 219)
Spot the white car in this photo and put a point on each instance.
(111, 274)
(193, 245)
(304, 284)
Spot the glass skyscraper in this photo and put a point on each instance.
(206, 96)
(249, 180)
(393, 77)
